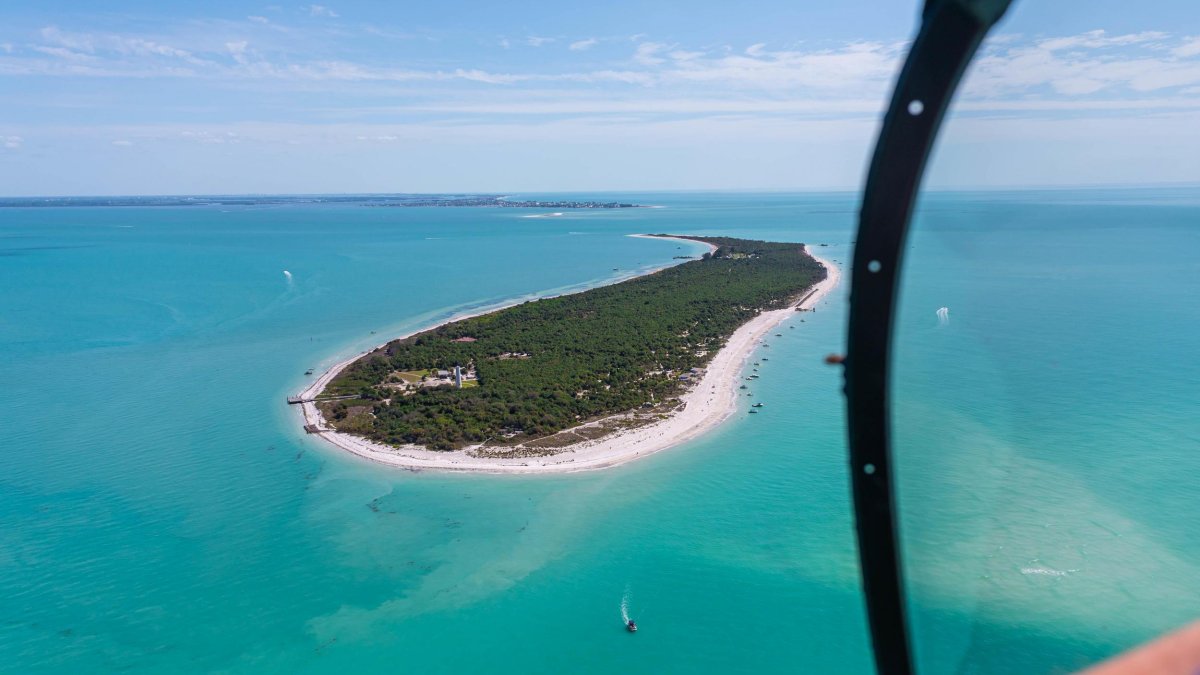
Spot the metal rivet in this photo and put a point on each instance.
(915, 108)
(868, 469)
(874, 266)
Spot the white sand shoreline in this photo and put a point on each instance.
(712, 400)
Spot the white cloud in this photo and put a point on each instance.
(854, 66)
(88, 47)
(141, 47)
(207, 137)
(7, 47)
(653, 105)
(237, 50)
(1086, 64)
(1090, 66)
(624, 76)
(63, 53)
(81, 43)
(321, 10)
(1098, 39)
(817, 105)
(258, 19)
(476, 75)
(335, 134)
(647, 53)
(348, 71)
(1190, 47)
(758, 98)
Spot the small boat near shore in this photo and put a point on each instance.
(631, 626)
(309, 371)
(757, 405)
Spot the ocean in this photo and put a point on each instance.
(163, 510)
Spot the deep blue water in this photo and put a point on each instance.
(163, 511)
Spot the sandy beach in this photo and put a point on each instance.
(711, 401)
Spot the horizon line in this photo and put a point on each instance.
(510, 193)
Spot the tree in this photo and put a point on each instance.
(623, 345)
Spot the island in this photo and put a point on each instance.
(372, 200)
(572, 382)
(505, 202)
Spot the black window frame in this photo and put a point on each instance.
(950, 34)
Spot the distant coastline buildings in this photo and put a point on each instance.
(489, 201)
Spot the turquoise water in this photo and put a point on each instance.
(1048, 430)
(164, 512)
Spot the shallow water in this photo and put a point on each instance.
(164, 512)
(1044, 429)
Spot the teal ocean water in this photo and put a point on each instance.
(163, 511)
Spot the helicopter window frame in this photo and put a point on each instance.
(950, 35)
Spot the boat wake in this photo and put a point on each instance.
(1037, 569)
(625, 607)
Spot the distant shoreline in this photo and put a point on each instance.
(506, 203)
(371, 200)
(712, 400)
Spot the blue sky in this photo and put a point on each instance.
(153, 98)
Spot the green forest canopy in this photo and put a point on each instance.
(583, 356)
